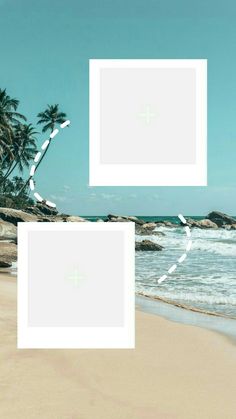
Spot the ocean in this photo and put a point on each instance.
(206, 280)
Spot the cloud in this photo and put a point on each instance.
(111, 197)
(103, 196)
(66, 188)
(58, 198)
(92, 196)
(153, 196)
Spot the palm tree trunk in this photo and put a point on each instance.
(36, 168)
(44, 154)
(10, 170)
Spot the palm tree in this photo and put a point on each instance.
(5, 144)
(24, 147)
(8, 107)
(50, 117)
(8, 117)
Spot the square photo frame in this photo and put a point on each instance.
(148, 122)
(76, 285)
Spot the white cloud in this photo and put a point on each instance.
(111, 197)
(59, 198)
(66, 188)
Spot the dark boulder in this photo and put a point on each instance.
(120, 218)
(147, 229)
(229, 226)
(41, 210)
(147, 245)
(221, 219)
(5, 264)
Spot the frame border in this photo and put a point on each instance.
(76, 337)
(147, 174)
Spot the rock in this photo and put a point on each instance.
(120, 218)
(8, 231)
(4, 264)
(41, 209)
(136, 220)
(8, 254)
(229, 227)
(48, 219)
(220, 218)
(58, 218)
(147, 229)
(75, 219)
(46, 210)
(191, 223)
(14, 216)
(33, 210)
(54, 219)
(166, 224)
(147, 245)
(169, 224)
(207, 224)
(36, 214)
(149, 226)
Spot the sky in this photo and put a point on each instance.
(45, 48)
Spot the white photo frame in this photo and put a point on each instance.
(36, 264)
(114, 159)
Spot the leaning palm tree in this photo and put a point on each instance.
(24, 147)
(51, 117)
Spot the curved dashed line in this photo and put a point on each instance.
(51, 204)
(37, 158)
(184, 255)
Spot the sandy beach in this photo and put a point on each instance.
(176, 371)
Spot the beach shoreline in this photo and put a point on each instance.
(171, 310)
(184, 306)
(203, 283)
(176, 371)
(175, 312)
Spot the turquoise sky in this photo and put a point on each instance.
(45, 48)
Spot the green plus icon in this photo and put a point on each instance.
(76, 277)
(147, 115)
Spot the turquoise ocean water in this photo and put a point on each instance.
(207, 278)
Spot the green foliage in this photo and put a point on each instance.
(9, 193)
(50, 117)
(18, 146)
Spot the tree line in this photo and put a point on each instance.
(18, 146)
